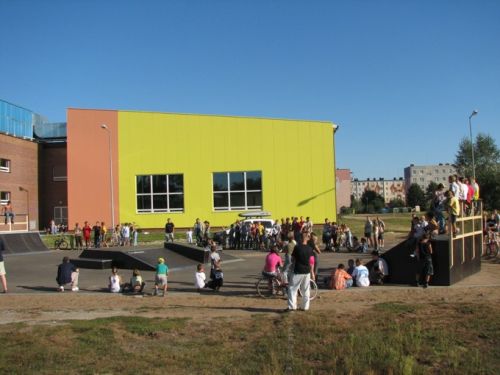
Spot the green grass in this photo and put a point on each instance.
(389, 338)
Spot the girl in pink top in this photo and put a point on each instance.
(273, 260)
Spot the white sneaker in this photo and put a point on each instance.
(75, 289)
(61, 289)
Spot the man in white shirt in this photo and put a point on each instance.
(454, 187)
(464, 189)
(361, 275)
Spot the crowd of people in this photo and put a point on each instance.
(98, 235)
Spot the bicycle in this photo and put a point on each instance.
(274, 287)
(491, 244)
(61, 243)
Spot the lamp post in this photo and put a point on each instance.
(474, 112)
(105, 127)
(27, 204)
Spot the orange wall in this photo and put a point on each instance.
(89, 196)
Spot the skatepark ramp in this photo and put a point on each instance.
(23, 242)
(196, 253)
(454, 257)
(101, 259)
(144, 259)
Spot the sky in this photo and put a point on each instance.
(399, 77)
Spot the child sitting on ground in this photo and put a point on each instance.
(115, 281)
(363, 247)
(161, 277)
(200, 277)
(136, 284)
(350, 266)
(340, 279)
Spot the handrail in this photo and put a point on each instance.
(17, 226)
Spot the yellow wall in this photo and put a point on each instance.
(296, 159)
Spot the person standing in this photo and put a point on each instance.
(381, 230)
(475, 197)
(313, 244)
(215, 261)
(3, 274)
(301, 275)
(86, 234)
(97, 235)
(368, 231)
(169, 231)
(78, 237)
(8, 211)
(104, 232)
(438, 207)
(198, 231)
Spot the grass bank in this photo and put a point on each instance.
(389, 338)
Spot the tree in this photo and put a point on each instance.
(372, 201)
(487, 161)
(397, 202)
(415, 196)
(356, 205)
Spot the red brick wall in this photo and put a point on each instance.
(23, 156)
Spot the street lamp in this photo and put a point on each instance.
(474, 112)
(27, 204)
(105, 127)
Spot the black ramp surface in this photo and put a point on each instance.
(15, 243)
(172, 258)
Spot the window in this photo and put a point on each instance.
(237, 190)
(4, 197)
(4, 165)
(160, 193)
(61, 215)
(59, 173)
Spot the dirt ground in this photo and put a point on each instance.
(237, 299)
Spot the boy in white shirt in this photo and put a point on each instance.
(361, 275)
(189, 236)
(199, 278)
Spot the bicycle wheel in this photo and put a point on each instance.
(267, 289)
(314, 290)
(313, 293)
(492, 249)
(63, 245)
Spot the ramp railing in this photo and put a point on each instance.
(21, 223)
(470, 229)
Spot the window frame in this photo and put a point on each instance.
(61, 218)
(151, 194)
(7, 167)
(245, 191)
(3, 202)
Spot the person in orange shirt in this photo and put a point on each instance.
(340, 278)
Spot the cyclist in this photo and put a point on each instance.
(273, 260)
